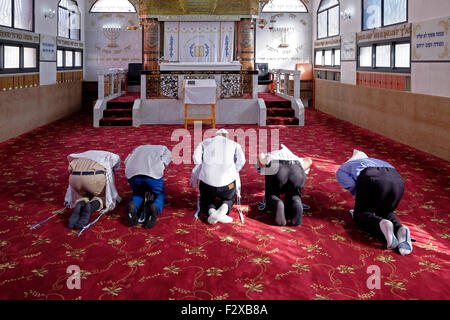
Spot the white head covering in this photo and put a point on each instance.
(357, 155)
(222, 131)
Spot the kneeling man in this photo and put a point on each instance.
(218, 161)
(285, 173)
(378, 188)
(144, 169)
(91, 185)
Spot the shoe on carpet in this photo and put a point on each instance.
(132, 215)
(76, 214)
(404, 239)
(388, 231)
(151, 213)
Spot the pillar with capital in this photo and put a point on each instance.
(152, 43)
(246, 44)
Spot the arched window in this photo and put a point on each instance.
(69, 20)
(328, 19)
(285, 6)
(382, 13)
(112, 6)
(17, 14)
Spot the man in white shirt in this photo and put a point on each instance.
(218, 161)
(285, 174)
(91, 185)
(144, 169)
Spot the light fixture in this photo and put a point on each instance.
(346, 14)
(49, 13)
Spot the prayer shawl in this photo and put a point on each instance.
(111, 163)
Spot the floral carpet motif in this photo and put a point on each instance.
(325, 258)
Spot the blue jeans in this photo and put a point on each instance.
(143, 184)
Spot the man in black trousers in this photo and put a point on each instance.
(378, 188)
(285, 173)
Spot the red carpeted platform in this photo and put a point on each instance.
(325, 258)
(279, 110)
(119, 111)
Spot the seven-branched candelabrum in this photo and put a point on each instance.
(112, 34)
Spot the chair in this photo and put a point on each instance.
(134, 74)
(264, 76)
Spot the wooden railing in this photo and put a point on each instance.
(111, 83)
(168, 84)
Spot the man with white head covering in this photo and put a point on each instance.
(91, 185)
(217, 162)
(144, 169)
(378, 188)
(285, 173)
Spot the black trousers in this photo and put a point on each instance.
(378, 193)
(213, 197)
(289, 180)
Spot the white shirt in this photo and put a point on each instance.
(148, 160)
(284, 154)
(111, 163)
(218, 161)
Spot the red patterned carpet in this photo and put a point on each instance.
(325, 258)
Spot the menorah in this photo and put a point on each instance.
(112, 34)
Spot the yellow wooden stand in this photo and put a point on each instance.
(207, 119)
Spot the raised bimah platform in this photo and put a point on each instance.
(162, 97)
(161, 100)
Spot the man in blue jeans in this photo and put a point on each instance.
(144, 169)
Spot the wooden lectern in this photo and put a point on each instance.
(200, 92)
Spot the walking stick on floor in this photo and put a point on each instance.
(51, 217)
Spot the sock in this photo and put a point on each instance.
(213, 214)
(387, 228)
(88, 210)
(404, 239)
(76, 214)
(280, 217)
(222, 214)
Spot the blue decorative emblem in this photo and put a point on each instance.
(227, 46)
(171, 47)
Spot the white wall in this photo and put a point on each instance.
(426, 78)
(102, 53)
(299, 26)
(49, 26)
